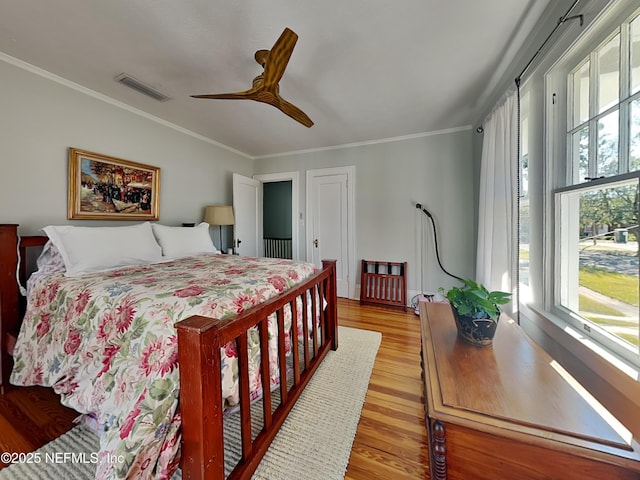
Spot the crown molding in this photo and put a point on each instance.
(92, 93)
(369, 142)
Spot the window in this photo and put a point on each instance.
(596, 281)
(523, 214)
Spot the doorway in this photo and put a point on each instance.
(256, 219)
(276, 219)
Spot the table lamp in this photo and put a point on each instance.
(219, 215)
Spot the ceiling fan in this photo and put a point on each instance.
(265, 86)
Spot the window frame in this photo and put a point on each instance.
(623, 106)
(562, 172)
(607, 340)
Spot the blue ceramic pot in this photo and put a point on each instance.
(475, 331)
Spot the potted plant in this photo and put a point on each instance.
(476, 311)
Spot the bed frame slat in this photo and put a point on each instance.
(316, 327)
(282, 357)
(265, 374)
(305, 330)
(323, 331)
(294, 335)
(245, 395)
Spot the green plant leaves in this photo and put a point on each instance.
(475, 300)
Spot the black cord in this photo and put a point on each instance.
(435, 240)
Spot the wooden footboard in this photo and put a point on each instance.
(199, 342)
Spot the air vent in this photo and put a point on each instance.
(137, 85)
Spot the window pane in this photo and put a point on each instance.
(581, 95)
(523, 254)
(580, 151)
(608, 74)
(599, 258)
(635, 55)
(634, 136)
(608, 145)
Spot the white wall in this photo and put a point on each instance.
(434, 170)
(41, 118)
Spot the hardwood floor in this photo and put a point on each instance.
(31, 417)
(391, 439)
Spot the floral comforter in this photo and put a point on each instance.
(106, 342)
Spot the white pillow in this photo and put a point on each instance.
(92, 249)
(178, 242)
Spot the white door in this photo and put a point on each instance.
(330, 219)
(247, 208)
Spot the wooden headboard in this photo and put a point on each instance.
(11, 301)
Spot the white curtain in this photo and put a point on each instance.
(497, 216)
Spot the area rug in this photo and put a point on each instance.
(314, 443)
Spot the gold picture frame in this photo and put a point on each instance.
(108, 188)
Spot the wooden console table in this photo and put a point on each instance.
(507, 412)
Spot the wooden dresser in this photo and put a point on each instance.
(507, 411)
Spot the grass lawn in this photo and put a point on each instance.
(592, 306)
(614, 285)
(632, 339)
(607, 322)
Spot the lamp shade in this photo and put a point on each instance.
(219, 215)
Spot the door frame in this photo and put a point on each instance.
(350, 171)
(294, 178)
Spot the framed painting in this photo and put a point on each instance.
(108, 188)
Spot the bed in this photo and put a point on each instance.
(293, 315)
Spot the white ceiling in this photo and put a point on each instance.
(363, 70)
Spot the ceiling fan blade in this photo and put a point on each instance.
(248, 95)
(223, 96)
(265, 86)
(293, 111)
(278, 57)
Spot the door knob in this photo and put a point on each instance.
(315, 243)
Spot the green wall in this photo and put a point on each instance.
(277, 209)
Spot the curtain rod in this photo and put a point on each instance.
(561, 21)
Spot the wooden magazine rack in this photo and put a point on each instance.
(384, 283)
